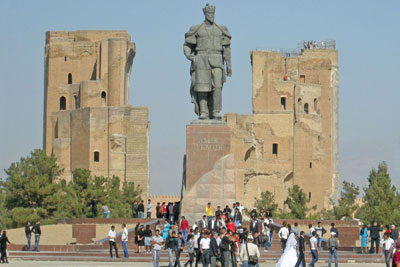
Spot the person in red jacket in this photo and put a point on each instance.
(184, 228)
(231, 225)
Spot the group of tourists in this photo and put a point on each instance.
(389, 241)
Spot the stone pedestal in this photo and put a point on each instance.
(209, 168)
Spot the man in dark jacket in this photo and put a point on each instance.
(36, 230)
(135, 211)
(394, 233)
(302, 249)
(171, 244)
(141, 209)
(374, 234)
(93, 203)
(28, 235)
(226, 248)
(212, 225)
(214, 249)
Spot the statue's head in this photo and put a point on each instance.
(209, 13)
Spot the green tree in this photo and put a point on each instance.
(346, 206)
(297, 203)
(381, 200)
(266, 202)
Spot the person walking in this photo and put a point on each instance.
(314, 248)
(141, 209)
(156, 241)
(184, 228)
(179, 249)
(149, 209)
(190, 247)
(37, 231)
(226, 248)
(171, 245)
(302, 248)
(249, 253)
(111, 240)
(333, 246)
(374, 234)
(296, 230)
(205, 249)
(364, 239)
(388, 246)
(394, 234)
(3, 247)
(334, 229)
(283, 235)
(28, 232)
(124, 239)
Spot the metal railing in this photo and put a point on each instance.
(325, 44)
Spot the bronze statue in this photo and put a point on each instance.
(207, 46)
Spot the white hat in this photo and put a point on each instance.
(250, 237)
(333, 233)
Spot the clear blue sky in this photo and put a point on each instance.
(366, 33)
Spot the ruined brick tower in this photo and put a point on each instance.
(88, 122)
(292, 135)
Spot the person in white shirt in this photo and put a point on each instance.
(311, 228)
(111, 239)
(314, 250)
(388, 247)
(283, 235)
(205, 249)
(124, 239)
(149, 209)
(156, 241)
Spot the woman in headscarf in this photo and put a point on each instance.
(165, 229)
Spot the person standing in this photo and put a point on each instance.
(28, 232)
(3, 247)
(374, 234)
(226, 248)
(396, 255)
(141, 209)
(203, 223)
(247, 250)
(37, 231)
(124, 239)
(156, 241)
(184, 228)
(209, 212)
(333, 246)
(388, 246)
(364, 239)
(106, 211)
(283, 235)
(171, 213)
(394, 234)
(311, 229)
(190, 247)
(205, 249)
(296, 230)
(135, 209)
(214, 250)
(176, 212)
(149, 209)
(111, 240)
(314, 248)
(302, 248)
(147, 238)
(333, 229)
(158, 210)
(320, 233)
(141, 239)
(93, 203)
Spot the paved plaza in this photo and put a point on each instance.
(147, 264)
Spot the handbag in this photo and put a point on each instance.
(251, 259)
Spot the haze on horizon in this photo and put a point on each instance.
(365, 34)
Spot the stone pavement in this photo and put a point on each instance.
(147, 264)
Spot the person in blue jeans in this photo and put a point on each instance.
(333, 246)
(314, 248)
(28, 232)
(124, 239)
(36, 230)
(141, 209)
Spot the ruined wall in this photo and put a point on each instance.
(88, 122)
(292, 135)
